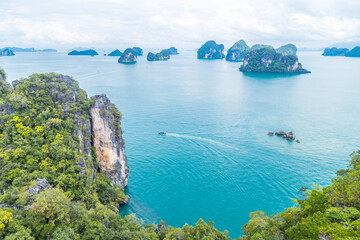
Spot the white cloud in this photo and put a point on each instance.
(185, 24)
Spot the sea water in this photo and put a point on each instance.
(217, 161)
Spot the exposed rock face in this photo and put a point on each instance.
(335, 51)
(107, 138)
(211, 50)
(128, 57)
(266, 60)
(163, 55)
(138, 51)
(288, 49)
(237, 52)
(172, 51)
(41, 185)
(115, 53)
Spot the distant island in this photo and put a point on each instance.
(211, 50)
(161, 56)
(89, 52)
(7, 52)
(128, 57)
(267, 60)
(172, 51)
(237, 52)
(138, 51)
(115, 53)
(355, 52)
(16, 49)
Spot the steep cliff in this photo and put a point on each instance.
(237, 52)
(128, 57)
(161, 56)
(335, 51)
(138, 51)
(107, 139)
(115, 53)
(172, 51)
(211, 50)
(288, 49)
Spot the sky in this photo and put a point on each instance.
(186, 24)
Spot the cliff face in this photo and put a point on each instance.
(211, 50)
(335, 51)
(129, 56)
(107, 139)
(163, 55)
(237, 52)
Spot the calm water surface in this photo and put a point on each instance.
(218, 163)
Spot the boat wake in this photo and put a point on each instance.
(196, 138)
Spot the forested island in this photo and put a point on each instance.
(268, 60)
(138, 51)
(128, 57)
(211, 50)
(172, 51)
(7, 52)
(115, 53)
(355, 52)
(89, 52)
(161, 56)
(16, 49)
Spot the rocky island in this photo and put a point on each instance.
(288, 49)
(161, 56)
(335, 51)
(7, 52)
(355, 52)
(138, 51)
(115, 53)
(172, 51)
(267, 60)
(89, 52)
(128, 57)
(237, 52)
(211, 50)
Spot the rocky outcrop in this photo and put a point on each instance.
(115, 53)
(138, 51)
(89, 52)
(335, 51)
(128, 57)
(237, 52)
(211, 50)
(161, 56)
(266, 60)
(7, 52)
(288, 49)
(172, 51)
(41, 185)
(107, 139)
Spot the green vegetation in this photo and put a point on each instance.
(288, 49)
(335, 51)
(211, 50)
(115, 53)
(237, 52)
(163, 55)
(267, 60)
(138, 51)
(89, 52)
(128, 57)
(172, 51)
(355, 52)
(2, 74)
(325, 213)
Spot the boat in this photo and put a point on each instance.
(162, 133)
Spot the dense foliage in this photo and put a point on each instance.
(267, 60)
(325, 213)
(172, 51)
(237, 51)
(335, 51)
(138, 51)
(38, 122)
(89, 52)
(163, 55)
(129, 56)
(355, 52)
(288, 49)
(211, 50)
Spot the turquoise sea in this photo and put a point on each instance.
(218, 163)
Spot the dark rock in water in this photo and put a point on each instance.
(163, 55)
(355, 52)
(237, 52)
(285, 135)
(7, 52)
(335, 51)
(267, 60)
(288, 49)
(211, 50)
(115, 53)
(128, 57)
(124, 201)
(172, 51)
(138, 51)
(270, 133)
(89, 52)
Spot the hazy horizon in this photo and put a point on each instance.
(111, 24)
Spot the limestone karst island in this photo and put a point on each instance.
(179, 120)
